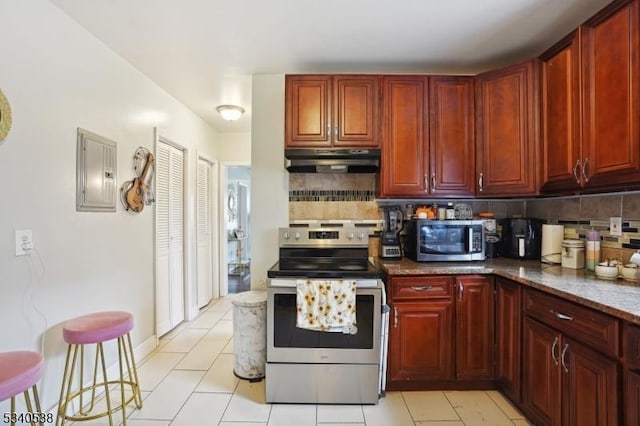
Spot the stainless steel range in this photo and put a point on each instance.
(309, 366)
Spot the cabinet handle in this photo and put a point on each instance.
(426, 182)
(421, 287)
(553, 350)
(575, 171)
(564, 352)
(395, 317)
(329, 130)
(562, 316)
(336, 132)
(584, 169)
(433, 181)
(481, 181)
(460, 291)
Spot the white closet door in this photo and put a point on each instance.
(204, 226)
(169, 237)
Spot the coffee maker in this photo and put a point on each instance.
(390, 237)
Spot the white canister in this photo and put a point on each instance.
(573, 254)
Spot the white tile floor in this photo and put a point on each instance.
(189, 381)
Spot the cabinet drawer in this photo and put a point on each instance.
(422, 288)
(632, 345)
(586, 325)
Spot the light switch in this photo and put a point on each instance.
(615, 226)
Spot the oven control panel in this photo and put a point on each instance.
(323, 237)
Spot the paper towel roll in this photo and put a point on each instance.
(552, 236)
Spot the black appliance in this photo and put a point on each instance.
(390, 237)
(521, 238)
(332, 160)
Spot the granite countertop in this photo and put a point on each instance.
(619, 298)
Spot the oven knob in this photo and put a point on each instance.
(286, 235)
(296, 235)
(350, 235)
(361, 235)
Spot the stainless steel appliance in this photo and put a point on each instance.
(390, 236)
(305, 366)
(445, 240)
(521, 238)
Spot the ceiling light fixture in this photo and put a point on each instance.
(230, 112)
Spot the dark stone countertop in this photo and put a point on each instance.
(617, 297)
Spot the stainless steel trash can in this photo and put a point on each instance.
(250, 334)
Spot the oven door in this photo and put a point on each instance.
(288, 343)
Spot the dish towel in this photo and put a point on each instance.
(327, 305)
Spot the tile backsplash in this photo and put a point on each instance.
(352, 196)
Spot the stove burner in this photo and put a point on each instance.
(305, 266)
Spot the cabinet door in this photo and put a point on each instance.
(307, 111)
(508, 332)
(420, 341)
(507, 156)
(590, 386)
(541, 380)
(611, 95)
(560, 110)
(356, 117)
(405, 162)
(474, 327)
(451, 140)
(632, 399)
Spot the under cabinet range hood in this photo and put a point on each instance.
(332, 160)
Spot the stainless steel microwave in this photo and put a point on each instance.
(444, 240)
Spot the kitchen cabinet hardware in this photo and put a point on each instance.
(421, 287)
(480, 182)
(575, 171)
(433, 181)
(584, 169)
(461, 293)
(564, 353)
(395, 317)
(426, 182)
(562, 316)
(553, 350)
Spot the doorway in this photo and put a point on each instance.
(237, 214)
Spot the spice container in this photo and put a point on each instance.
(592, 249)
(442, 212)
(450, 212)
(573, 254)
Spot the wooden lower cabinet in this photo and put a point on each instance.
(441, 331)
(565, 382)
(632, 399)
(421, 341)
(508, 337)
(474, 327)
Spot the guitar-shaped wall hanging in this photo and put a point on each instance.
(136, 193)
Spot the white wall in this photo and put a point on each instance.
(58, 77)
(269, 179)
(234, 147)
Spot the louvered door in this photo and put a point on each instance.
(169, 237)
(203, 232)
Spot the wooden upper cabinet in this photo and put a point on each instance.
(611, 96)
(451, 136)
(405, 150)
(560, 115)
(506, 130)
(325, 111)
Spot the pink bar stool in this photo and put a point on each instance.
(20, 371)
(98, 328)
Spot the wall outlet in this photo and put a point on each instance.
(24, 242)
(615, 226)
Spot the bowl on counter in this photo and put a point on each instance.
(631, 272)
(607, 270)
